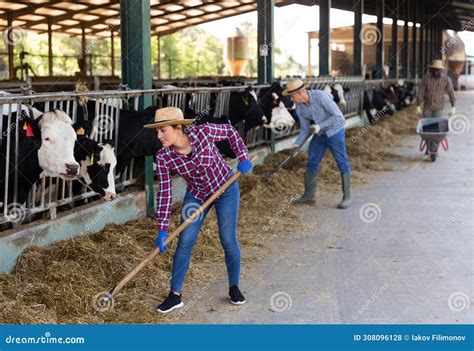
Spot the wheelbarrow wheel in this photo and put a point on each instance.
(433, 157)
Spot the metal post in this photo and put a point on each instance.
(159, 56)
(50, 46)
(405, 41)
(413, 41)
(430, 43)
(324, 37)
(269, 36)
(112, 52)
(426, 45)
(422, 43)
(394, 46)
(262, 49)
(136, 68)
(83, 42)
(379, 56)
(10, 45)
(358, 6)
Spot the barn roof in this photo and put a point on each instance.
(96, 17)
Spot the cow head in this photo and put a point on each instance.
(336, 93)
(271, 98)
(56, 153)
(244, 106)
(281, 120)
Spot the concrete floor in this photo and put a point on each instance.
(407, 259)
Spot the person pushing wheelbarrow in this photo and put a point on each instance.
(317, 107)
(434, 86)
(190, 151)
(433, 125)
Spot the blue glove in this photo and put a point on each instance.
(160, 240)
(244, 167)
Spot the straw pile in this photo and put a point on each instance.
(56, 284)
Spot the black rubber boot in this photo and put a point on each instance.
(309, 196)
(346, 189)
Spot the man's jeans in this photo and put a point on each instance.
(336, 144)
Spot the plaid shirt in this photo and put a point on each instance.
(321, 110)
(432, 91)
(204, 171)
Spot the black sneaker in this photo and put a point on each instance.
(172, 302)
(236, 296)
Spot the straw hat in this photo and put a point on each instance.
(168, 116)
(438, 64)
(293, 87)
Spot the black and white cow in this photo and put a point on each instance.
(97, 162)
(336, 92)
(404, 93)
(45, 148)
(378, 106)
(244, 106)
(279, 109)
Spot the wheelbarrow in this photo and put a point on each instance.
(433, 132)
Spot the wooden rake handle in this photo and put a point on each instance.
(177, 231)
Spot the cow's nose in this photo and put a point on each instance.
(72, 168)
(110, 196)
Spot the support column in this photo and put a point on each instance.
(83, 41)
(358, 6)
(269, 25)
(112, 52)
(159, 56)
(50, 46)
(413, 41)
(405, 40)
(379, 56)
(136, 68)
(394, 46)
(10, 46)
(426, 46)
(324, 38)
(265, 40)
(422, 42)
(429, 56)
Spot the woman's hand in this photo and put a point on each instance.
(244, 167)
(160, 240)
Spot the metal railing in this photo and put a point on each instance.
(50, 193)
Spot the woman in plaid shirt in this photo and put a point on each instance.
(192, 153)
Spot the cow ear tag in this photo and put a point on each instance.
(29, 130)
(92, 159)
(80, 131)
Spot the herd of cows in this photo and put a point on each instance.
(50, 144)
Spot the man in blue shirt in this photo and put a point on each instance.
(316, 107)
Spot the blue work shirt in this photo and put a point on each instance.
(321, 110)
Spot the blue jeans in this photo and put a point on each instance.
(432, 113)
(227, 208)
(336, 144)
